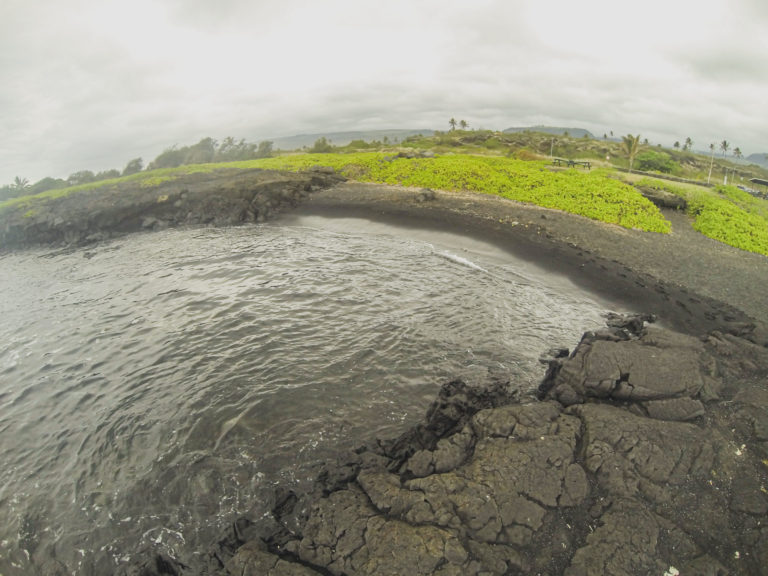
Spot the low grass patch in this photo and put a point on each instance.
(724, 213)
(143, 179)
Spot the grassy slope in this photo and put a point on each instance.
(142, 179)
(593, 194)
(726, 213)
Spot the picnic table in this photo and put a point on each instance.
(571, 163)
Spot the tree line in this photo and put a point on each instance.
(208, 150)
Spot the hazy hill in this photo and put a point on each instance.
(761, 159)
(573, 132)
(343, 138)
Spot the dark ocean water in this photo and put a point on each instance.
(154, 388)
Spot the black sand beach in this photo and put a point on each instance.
(692, 282)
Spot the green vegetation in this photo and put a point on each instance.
(631, 145)
(590, 194)
(726, 214)
(656, 161)
(512, 165)
(143, 179)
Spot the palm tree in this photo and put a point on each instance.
(688, 143)
(631, 144)
(463, 124)
(712, 161)
(737, 152)
(676, 144)
(20, 183)
(724, 146)
(452, 123)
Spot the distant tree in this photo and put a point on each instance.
(81, 177)
(226, 145)
(737, 152)
(566, 134)
(134, 166)
(20, 184)
(463, 124)
(645, 142)
(452, 123)
(7, 192)
(676, 144)
(688, 143)
(106, 174)
(321, 145)
(265, 149)
(725, 146)
(232, 150)
(385, 140)
(712, 161)
(201, 153)
(630, 144)
(46, 184)
(605, 136)
(168, 158)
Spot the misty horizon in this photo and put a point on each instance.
(93, 86)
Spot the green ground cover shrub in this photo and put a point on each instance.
(656, 161)
(590, 194)
(726, 214)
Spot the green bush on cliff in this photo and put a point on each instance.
(590, 194)
(726, 214)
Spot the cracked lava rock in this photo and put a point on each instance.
(646, 453)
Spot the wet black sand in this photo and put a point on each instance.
(691, 282)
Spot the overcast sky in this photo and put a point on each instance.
(90, 84)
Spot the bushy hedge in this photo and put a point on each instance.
(726, 214)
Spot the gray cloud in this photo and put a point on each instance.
(92, 85)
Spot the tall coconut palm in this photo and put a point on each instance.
(725, 146)
(688, 143)
(631, 144)
(452, 123)
(712, 161)
(737, 152)
(20, 183)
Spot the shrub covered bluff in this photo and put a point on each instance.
(645, 452)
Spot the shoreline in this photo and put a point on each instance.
(645, 452)
(692, 283)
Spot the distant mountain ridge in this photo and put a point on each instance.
(759, 158)
(555, 130)
(343, 138)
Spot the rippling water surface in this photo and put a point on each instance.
(151, 389)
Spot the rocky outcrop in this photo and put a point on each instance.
(663, 199)
(222, 198)
(646, 454)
